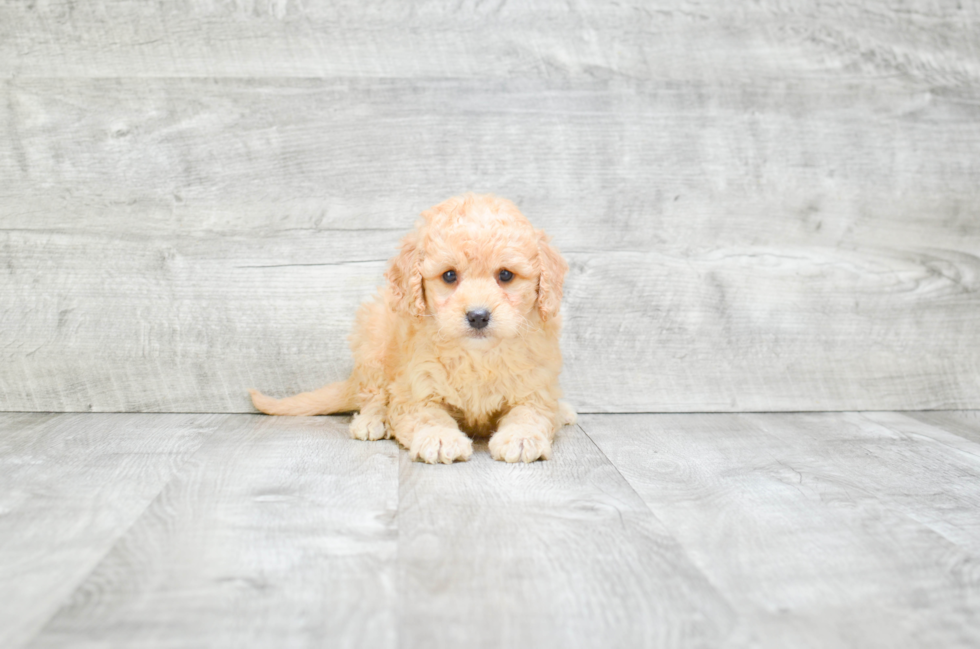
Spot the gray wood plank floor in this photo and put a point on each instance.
(699, 530)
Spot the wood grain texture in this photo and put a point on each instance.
(965, 423)
(638, 164)
(279, 532)
(385, 39)
(70, 486)
(106, 323)
(926, 473)
(157, 298)
(824, 530)
(552, 554)
(776, 204)
(778, 530)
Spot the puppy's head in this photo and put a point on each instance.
(476, 266)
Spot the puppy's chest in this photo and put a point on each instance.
(481, 387)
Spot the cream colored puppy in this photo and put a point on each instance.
(462, 339)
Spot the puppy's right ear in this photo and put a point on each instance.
(405, 277)
(553, 268)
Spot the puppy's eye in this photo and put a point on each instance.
(449, 277)
(505, 275)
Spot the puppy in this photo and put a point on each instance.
(462, 339)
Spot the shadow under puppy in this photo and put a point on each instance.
(463, 337)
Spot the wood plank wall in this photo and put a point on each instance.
(766, 206)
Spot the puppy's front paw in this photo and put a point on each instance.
(444, 445)
(367, 427)
(566, 414)
(519, 445)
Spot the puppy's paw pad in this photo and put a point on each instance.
(368, 428)
(519, 447)
(434, 445)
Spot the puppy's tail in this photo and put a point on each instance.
(335, 397)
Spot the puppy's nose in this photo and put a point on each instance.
(478, 318)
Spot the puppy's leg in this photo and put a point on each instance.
(431, 435)
(369, 341)
(566, 414)
(525, 434)
(369, 423)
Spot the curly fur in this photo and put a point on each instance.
(423, 375)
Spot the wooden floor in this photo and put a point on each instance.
(734, 530)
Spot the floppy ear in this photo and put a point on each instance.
(553, 269)
(405, 277)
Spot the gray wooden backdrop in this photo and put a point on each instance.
(766, 206)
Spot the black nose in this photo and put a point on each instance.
(478, 318)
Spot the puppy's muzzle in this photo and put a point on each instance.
(478, 318)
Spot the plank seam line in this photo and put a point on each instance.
(325, 263)
(666, 529)
(891, 506)
(952, 427)
(136, 519)
(625, 481)
(931, 440)
(398, 547)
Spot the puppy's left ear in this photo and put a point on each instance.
(551, 279)
(404, 277)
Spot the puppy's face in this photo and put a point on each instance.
(477, 267)
(480, 279)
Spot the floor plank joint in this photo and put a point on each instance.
(701, 530)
